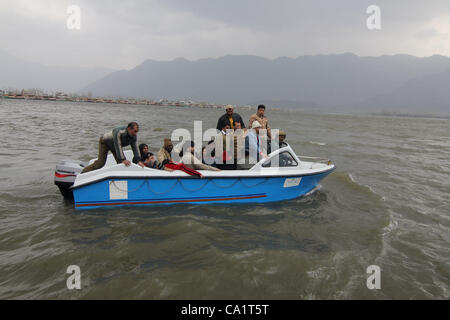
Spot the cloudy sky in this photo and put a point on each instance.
(122, 34)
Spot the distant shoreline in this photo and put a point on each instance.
(181, 104)
(132, 101)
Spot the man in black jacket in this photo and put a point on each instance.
(229, 118)
(114, 141)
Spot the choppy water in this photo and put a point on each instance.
(387, 204)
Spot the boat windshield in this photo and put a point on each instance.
(281, 160)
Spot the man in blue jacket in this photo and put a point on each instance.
(114, 141)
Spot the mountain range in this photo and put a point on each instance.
(398, 83)
(340, 82)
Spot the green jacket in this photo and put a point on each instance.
(119, 138)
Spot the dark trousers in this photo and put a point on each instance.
(228, 166)
(101, 159)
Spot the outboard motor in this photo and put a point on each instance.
(65, 174)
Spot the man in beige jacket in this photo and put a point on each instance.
(164, 152)
(261, 118)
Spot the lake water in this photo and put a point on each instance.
(387, 204)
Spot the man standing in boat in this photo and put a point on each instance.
(229, 118)
(114, 141)
(261, 118)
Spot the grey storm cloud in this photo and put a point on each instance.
(122, 34)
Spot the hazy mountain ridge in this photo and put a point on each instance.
(425, 95)
(21, 74)
(329, 81)
(398, 83)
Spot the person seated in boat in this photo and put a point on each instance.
(189, 160)
(235, 150)
(162, 165)
(169, 165)
(150, 160)
(225, 130)
(239, 127)
(224, 135)
(255, 148)
(114, 141)
(208, 154)
(281, 138)
(164, 152)
(239, 135)
(165, 161)
(143, 149)
(229, 118)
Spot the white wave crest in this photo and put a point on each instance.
(318, 143)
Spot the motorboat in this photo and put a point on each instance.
(283, 175)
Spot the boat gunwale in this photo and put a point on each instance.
(286, 175)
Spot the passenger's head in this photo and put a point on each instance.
(143, 148)
(210, 148)
(261, 110)
(229, 109)
(226, 127)
(133, 129)
(168, 145)
(148, 157)
(281, 136)
(188, 147)
(237, 125)
(256, 126)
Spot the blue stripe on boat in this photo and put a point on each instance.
(154, 201)
(169, 199)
